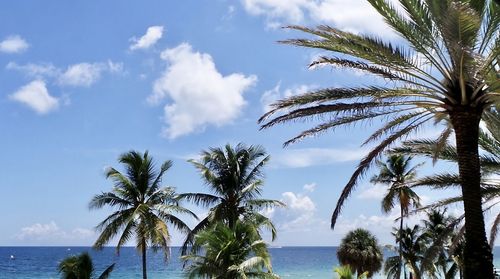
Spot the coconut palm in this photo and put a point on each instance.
(229, 252)
(448, 70)
(81, 267)
(144, 207)
(234, 176)
(359, 249)
(398, 173)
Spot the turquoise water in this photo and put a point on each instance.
(41, 262)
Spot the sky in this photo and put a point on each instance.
(82, 82)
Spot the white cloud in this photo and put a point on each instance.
(275, 94)
(372, 192)
(292, 11)
(306, 157)
(352, 15)
(309, 187)
(13, 44)
(381, 224)
(200, 95)
(36, 96)
(51, 232)
(153, 34)
(298, 214)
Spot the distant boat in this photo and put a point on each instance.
(12, 257)
(69, 249)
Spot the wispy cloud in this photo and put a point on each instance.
(80, 74)
(307, 157)
(276, 93)
(45, 233)
(372, 192)
(311, 187)
(153, 34)
(36, 96)
(13, 44)
(35, 70)
(86, 74)
(200, 95)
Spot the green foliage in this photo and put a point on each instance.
(360, 250)
(81, 267)
(229, 252)
(345, 272)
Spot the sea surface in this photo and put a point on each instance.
(41, 262)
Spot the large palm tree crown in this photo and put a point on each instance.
(360, 250)
(235, 179)
(447, 70)
(143, 206)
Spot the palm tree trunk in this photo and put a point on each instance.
(143, 244)
(478, 257)
(415, 272)
(401, 265)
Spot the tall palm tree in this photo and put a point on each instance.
(230, 252)
(234, 176)
(143, 207)
(447, 70)
(360, 250)
(398, 173)
(81, 267)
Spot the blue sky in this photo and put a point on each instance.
(83, 81)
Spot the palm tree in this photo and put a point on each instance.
(448, 70)
(230, 252)
(438, 229)
(143, 207)
(397, 173)
(234, 176)
(359, 249)
(81, 267)
(414, 247)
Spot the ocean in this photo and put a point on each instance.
(42, 262)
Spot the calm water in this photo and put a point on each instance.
(41, 262)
